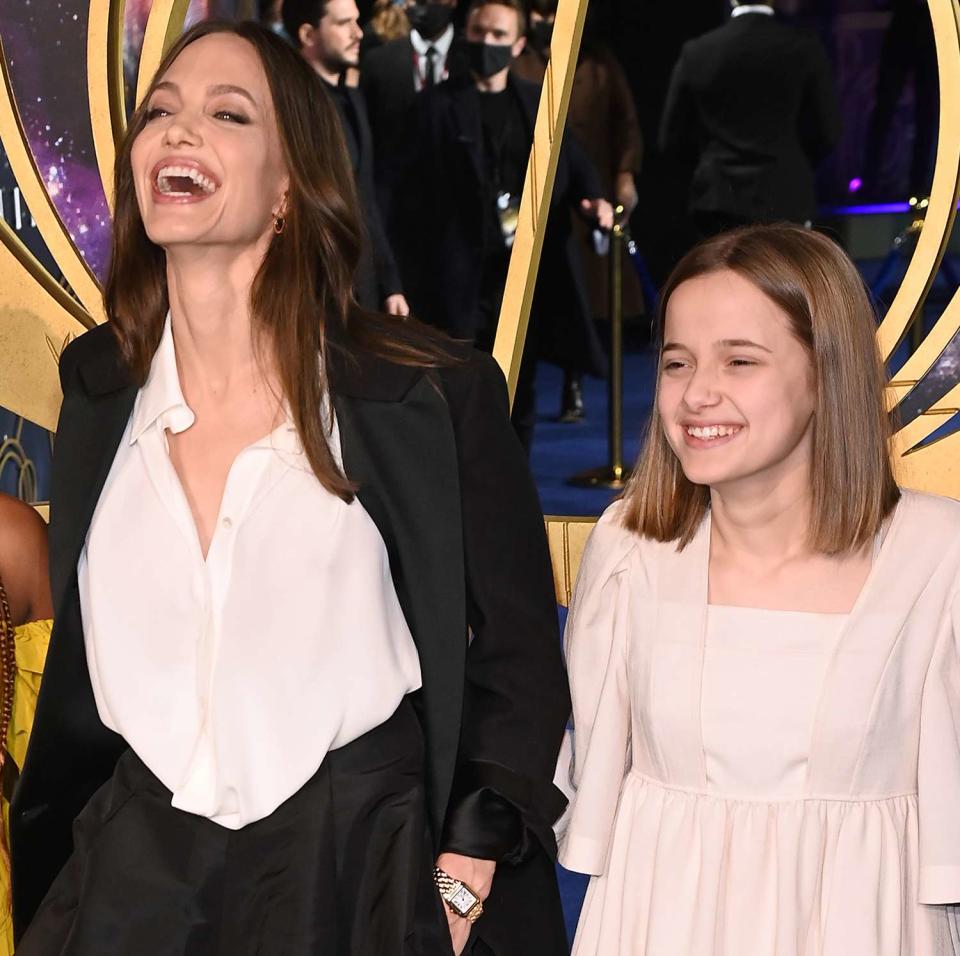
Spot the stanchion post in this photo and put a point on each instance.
(614, 474)
(616, 348)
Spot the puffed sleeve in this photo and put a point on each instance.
(596, 640)
(938, 782)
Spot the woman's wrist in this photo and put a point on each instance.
(477, 874)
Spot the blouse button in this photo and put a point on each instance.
(226, 524)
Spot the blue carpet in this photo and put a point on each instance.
(573, 887)
(560, 451)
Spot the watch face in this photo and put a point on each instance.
(463, 901)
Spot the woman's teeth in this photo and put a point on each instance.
(712, 431)
(183, 181)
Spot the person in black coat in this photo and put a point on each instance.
(236, 216)
(753, 101)
(466, 168)
(392, 76)
(328, 34)
(393, 73)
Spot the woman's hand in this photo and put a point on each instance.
(599, 211)
(396, 305)
(478, 875)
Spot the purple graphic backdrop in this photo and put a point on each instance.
(45, 42)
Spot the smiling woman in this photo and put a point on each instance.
(783, 688)
(276, 519)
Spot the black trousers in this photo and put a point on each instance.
(342, 868)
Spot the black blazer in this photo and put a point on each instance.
(377, 273)
(446, 171)
(754, 101)
(440, 472)
(386, 79)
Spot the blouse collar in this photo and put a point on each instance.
(160, 403)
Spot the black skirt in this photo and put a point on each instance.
(342, 868)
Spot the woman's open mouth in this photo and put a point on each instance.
(179, 181)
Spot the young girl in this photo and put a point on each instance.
(763, 641)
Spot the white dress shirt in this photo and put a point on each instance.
(232, 677)
(421, 60)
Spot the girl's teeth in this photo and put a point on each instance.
(712, 431)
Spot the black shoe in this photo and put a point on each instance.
(571, 405)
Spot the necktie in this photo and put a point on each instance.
(430, 76)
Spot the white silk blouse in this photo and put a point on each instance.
(231, 677)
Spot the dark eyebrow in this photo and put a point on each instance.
(216, 90)
(221, 88)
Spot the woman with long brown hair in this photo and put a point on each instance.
(304, 693)
(763, 643)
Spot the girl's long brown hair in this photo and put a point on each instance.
(819, 289)
(304, 287)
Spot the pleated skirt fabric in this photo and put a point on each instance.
(342, 868)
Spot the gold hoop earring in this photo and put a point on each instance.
(279, 224)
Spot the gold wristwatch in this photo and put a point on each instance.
(458, 896)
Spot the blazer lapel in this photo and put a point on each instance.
(92, 422)
(398, 447)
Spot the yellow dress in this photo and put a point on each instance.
(31, 642)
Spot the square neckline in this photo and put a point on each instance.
(879, 553)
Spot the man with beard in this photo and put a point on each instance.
(328, 34)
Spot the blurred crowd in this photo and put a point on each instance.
(438, 101)
(438, 106)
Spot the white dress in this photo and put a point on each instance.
(757, 783)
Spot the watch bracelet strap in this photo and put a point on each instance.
(447, 884)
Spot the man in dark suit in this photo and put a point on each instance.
(471, 141)
(393, 74)
(328, 34)
(753, 102)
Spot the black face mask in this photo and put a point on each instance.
(487, 59)
(429, 19)
(541, 33)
